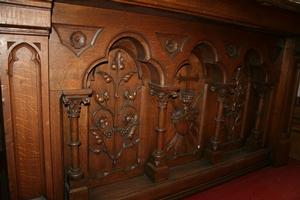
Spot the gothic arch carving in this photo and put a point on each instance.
(194, 77)
(139, 48)
(117, 83)
(213, 70)
(25, 108)
(259, 97)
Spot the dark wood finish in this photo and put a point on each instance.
(109, 92)
(294, 127)
(246, 13)
(4, 192)
(25, 96)
(293, 5)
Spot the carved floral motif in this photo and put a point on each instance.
(116, 114)
(232, 99)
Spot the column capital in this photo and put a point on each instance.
(73, 99)
(163, 92)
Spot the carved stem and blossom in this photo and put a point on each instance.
(73, 100)
(115, 117)
(231, 99)
(234, 107)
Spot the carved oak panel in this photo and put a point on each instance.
(115, 114)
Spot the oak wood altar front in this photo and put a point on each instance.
(103, 100)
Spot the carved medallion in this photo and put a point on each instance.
(232, 50)
(172, 43)
(77, 38)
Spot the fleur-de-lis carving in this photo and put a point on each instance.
(118, 63)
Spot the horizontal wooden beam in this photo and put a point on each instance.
(246, 12)
(25, 14)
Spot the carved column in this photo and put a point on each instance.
(73, 101)
(255, 140)
(24, 71)
(156, 168)
(213, 153)
(283, 104)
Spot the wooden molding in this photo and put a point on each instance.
(26, 15)
(246, 13)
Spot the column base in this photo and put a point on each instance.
(280, 153)
(253, 144)
(157, 174)
(75, 174)
(81, 193)
(213, 156)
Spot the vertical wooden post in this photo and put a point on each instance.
(157, 168)
(283, 105)
(73, 101)
(255, 141)
(219, 121)
(24, 33)
(214, 154)
(255, 131)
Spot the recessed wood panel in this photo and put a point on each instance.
(24, 82)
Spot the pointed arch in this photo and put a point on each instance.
(212, 69)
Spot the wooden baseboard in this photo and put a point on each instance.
(184, 180)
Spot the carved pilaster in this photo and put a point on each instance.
(73, 100)
(213, 153)
(255, 139)
(156, 168)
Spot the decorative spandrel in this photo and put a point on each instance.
(114, 114)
